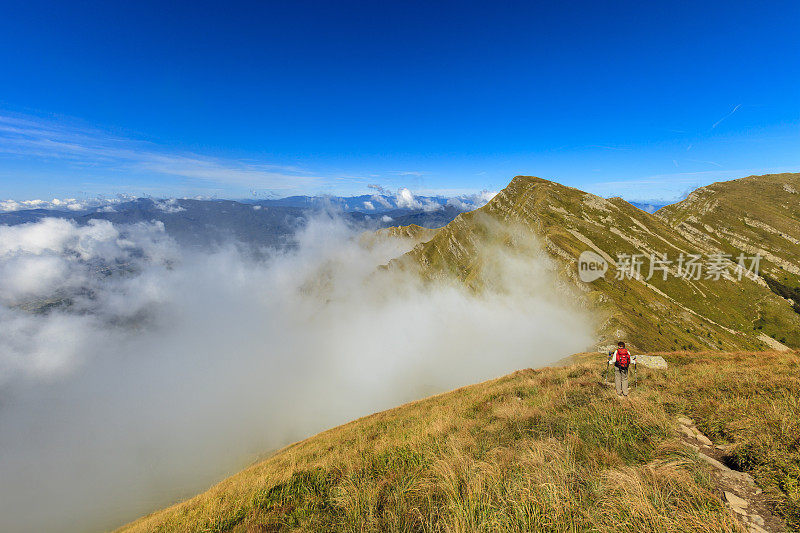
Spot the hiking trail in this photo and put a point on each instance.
(738, 489)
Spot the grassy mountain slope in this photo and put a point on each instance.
(553, 449)
(537, 450)
(676, 313)
(411, 233)
(757, 214)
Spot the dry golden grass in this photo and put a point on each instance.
(538, 450)
(750, 401)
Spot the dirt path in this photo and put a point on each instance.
(737, 489)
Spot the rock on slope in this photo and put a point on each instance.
(672, 313)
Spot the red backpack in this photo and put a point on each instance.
(623, 358)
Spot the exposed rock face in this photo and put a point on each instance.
(666, 311)
(772, 343)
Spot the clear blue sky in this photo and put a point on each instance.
(639, 99)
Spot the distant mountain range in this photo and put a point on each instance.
(370, 203)
(649, 206)
(259, 223)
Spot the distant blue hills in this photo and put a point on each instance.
(271, 222)
(649, 206)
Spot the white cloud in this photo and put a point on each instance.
(57, 236)
(170, 206)
(459, 204)
(183, 365)
(369, 205)
(386, 218)
(54, 257)
(382, 201)
(486, 196)
(65, 204)
(33, 276)
(69, 204)
(469, 202)
(406, 199)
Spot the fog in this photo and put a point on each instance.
(134, 373)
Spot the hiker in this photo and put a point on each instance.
(621, 359)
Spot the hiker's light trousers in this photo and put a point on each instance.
(621, 380)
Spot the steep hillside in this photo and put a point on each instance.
(678, 312)
(757, 214)
(538, 450)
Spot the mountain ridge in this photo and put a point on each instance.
(673, 313)
(770, 227)
(477, 456)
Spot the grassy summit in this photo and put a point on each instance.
(537, 450)
(676, 313)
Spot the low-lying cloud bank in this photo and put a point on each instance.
(134, 372)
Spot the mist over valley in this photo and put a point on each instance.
(137, 370)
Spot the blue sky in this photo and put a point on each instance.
(639, 99)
